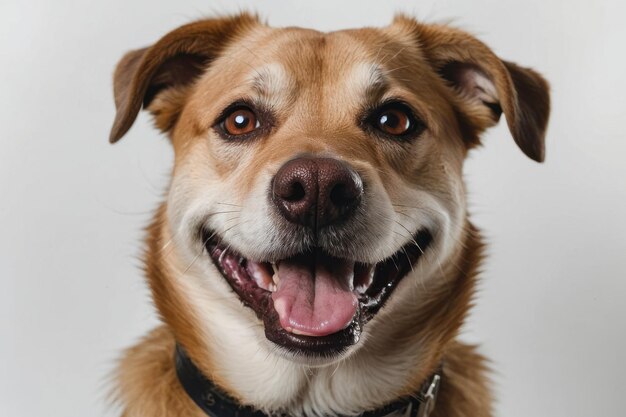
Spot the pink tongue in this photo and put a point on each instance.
(315, 299)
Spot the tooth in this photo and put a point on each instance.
(272, 287)
(275, 273)
(221, 257)
(351, 280)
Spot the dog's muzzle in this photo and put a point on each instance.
(315, 301)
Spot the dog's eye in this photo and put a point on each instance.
(396, 119)
(239, 121)
(394, 122)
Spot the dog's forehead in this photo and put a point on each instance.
(353, 62)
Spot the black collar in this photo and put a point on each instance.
(216, 403)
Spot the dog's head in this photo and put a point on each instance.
(318, 176)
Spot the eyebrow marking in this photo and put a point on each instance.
(271, 81)
(369, 80)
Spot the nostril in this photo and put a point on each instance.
(340, 196)
(296, 192)
(347, 190)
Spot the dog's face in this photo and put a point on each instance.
(318, 176)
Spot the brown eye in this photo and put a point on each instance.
(240, 121)
(394, 122)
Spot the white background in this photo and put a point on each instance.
(550, 310)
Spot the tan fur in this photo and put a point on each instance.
(148, 385)
(316, 83)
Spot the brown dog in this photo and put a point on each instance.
(314, 255)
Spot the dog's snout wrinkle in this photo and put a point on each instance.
(316, 192)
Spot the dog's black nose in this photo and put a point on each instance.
(316, 192)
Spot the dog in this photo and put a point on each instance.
(314, 256)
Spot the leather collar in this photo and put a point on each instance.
(216, 403)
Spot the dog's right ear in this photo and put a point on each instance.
(170, 65)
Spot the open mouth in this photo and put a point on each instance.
(313, 303)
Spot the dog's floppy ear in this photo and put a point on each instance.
(486, 85)
(171, 64)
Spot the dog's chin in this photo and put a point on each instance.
(314, 305)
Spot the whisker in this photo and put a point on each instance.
(258, 57)
(229, 204)
(396, 69)
(306, 374)
(178, 231)
(231, 219)
(193, 261)
(395, 55)
(410, 235)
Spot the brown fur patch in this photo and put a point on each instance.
(138, 69)
(527, 115)
(148, 385)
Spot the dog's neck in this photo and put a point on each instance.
(252, 374)
(215, 403)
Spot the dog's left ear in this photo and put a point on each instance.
(144, 76)
(487, 85)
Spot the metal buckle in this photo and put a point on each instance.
(430, 397)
